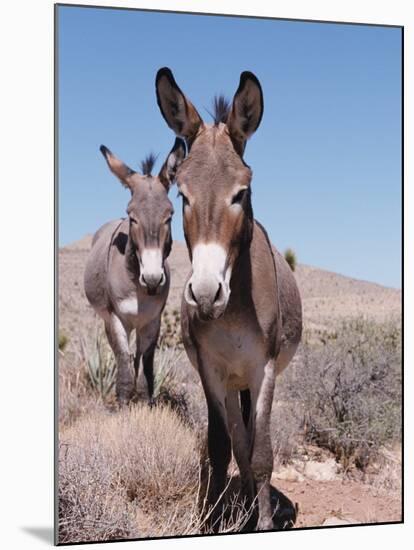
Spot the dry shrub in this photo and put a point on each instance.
(92, 503)
(386, 475)
(146, 457)
(347, 387)
(286, 426)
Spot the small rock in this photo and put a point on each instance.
(288, 473)
(321, 471)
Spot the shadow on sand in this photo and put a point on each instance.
(284, 510)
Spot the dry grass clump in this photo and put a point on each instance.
(347, 387)
(75, 397)
(146, 458)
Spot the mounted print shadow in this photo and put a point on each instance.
(229, 274)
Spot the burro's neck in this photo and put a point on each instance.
(254, 269)
(131, 260)
(242, 278)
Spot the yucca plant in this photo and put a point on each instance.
(100, 364)
(165, 378)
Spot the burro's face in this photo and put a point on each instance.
(214, 182)
(150, 212)
(215, 187)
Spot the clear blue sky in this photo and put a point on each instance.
(326, 159)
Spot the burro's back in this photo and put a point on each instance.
(126, 277)
(96, 269)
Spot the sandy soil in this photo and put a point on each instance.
(340, 502)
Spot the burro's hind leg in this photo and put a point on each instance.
(119, 340)
(148, 341)
(148, 362)
(262, 453)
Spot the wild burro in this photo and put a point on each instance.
(241, 308)
(127, 277)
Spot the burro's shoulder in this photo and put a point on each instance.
(106, 231)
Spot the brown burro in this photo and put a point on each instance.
(127, 278)
(241, 309)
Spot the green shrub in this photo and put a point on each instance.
(290, 257)
(63, 340)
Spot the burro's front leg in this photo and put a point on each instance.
(125, 378)
(262, 455)
(148, 342)
(218, 444)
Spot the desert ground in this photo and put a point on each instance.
(336, 421)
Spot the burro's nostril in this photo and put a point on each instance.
(208, 297)
(218, 293)
(192, 296)
(152, 282)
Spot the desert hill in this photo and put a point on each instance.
(326, 296)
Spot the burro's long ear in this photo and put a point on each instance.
(246, 110)
(179, 113)
(118, 168)
(175, 158)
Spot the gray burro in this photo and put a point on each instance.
(241, 309)
(127, 278)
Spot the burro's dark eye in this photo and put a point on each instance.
(133, 220)
(239, 196)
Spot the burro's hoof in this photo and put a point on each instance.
(265, 524)
(124, 401)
